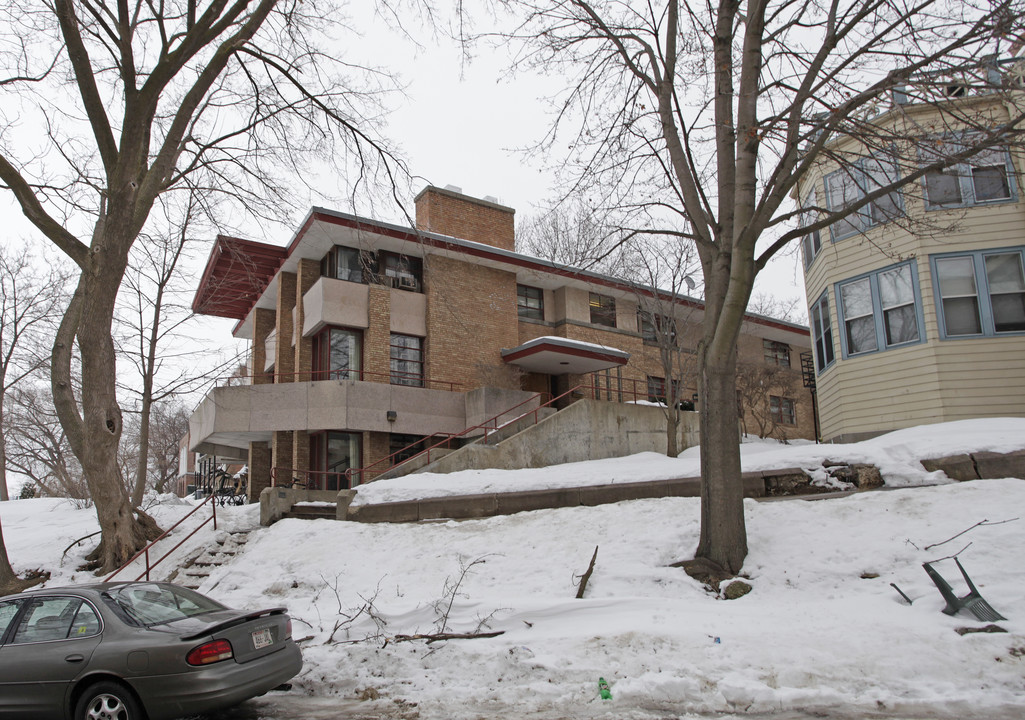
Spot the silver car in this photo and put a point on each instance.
(130, 651)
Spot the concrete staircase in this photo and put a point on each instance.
(226, 546)
(319, 511)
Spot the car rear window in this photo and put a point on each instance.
(151, 604)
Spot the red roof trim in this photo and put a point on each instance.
(434, 240)
(236, 274)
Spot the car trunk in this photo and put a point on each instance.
(251, 634)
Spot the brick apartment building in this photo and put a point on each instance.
(368, 337)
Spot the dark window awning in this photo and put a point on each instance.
(556, 355)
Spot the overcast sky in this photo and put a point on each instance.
(461, 124)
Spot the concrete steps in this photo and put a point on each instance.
(226, 546)
(311, 512)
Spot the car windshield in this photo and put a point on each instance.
(152, 604)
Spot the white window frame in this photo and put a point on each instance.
(822, 333)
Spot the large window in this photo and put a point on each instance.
(776, 353)
(822, 331)
(334, 460)
(980, 293)
(656, 328)
(880, 310)
(407, 360)
(849, 185)
(345, 263)
(783, 410)
(337, 354)
(603, 309)
(401, 271)
(982, 179)
(530, 302)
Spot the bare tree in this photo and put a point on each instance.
(765, 396)
(665, 265)
(30, 304)
(154, 325)
(133, 101)
(706, 116)
(40, 450)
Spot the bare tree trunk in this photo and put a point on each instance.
(94, 434)
(673, 432)
(723, 531)
(4, 495)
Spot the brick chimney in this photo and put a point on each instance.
(447, 211)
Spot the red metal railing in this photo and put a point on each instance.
(393, 378)
(146, 550)
(315, 479)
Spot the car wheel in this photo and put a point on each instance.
(108, 701)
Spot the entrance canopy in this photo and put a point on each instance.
(555, 355)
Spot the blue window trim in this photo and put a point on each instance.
(968, 188)
(981, 287)
(814, 337)
(877, 311)
(861, 218)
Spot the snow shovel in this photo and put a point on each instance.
(973, 601)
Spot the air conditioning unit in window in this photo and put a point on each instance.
(407, 283)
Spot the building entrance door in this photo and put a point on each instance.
(332, 456)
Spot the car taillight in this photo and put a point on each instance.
(210, 652)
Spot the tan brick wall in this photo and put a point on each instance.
(471, 317)
(263, 324)
(450, 213)
(375, 449)
(301, 450)
(259, 469)
(284, 360)
(309, 273)
(751, 350)
(377, 337)
(281, 452)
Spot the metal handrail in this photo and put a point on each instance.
(145, 550)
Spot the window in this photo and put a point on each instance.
(401, 446)
(530, 302)
(812, 242)
(980, 293)
(8, 609)
(656, 328)
(776, 353)
(334, 456)
(407, 360)
(983, 178)
(657, 389)
(782, 410)
(850, 184)
(822, 331)
(880, 310)
(337, 354)
(345, 263)
(400, 271)
(603, 310)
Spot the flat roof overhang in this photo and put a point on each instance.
(557, 356)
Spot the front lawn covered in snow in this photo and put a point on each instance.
(821, 630)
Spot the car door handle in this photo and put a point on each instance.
(75, 658)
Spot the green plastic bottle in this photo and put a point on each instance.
(603, 689)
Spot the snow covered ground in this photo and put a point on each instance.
(822, 631)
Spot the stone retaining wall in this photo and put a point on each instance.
(788, 481)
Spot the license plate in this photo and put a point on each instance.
(262, 638)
